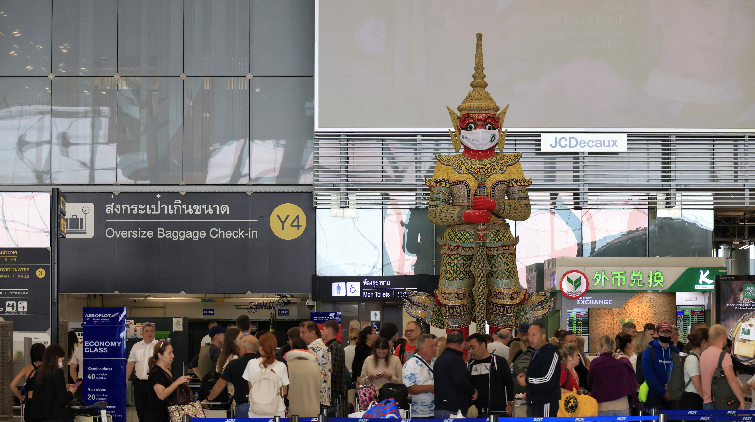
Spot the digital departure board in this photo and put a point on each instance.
(578, 321)
(685, 317)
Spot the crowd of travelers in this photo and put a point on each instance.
(477, 375)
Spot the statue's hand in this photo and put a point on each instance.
(483, 203)
(477, 216)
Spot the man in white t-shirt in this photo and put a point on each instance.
(77, 360)
(417, 375)
(138, 360)
(498, 347)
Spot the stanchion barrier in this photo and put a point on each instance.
(710, 412)
(549, 419)
(710, 415)
(710, 418)
(702, 415)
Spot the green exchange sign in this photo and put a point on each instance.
(671, 279)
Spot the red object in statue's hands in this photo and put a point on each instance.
(483, 203)
(477, 216)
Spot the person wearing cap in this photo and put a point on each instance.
(521, 332)
(207, 359)
(656, 368)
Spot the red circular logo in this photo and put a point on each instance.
(574, 284)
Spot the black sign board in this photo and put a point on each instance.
(25, 288)
(358, 289)
(735, 310)
(149, 242)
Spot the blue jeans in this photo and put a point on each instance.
(709, 406)
(443, 414)
(242, 411)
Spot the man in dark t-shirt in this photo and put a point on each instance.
(233, 373)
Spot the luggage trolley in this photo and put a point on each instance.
(219, 409)
(90, 413)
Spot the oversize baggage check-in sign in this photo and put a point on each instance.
(199, 242)
(104, 331)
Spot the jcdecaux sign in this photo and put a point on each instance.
(583, 142)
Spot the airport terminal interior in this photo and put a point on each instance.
(474, 165)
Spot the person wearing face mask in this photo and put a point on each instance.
(656, 371)
(473, 194)
(48, 388)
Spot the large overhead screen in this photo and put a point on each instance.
(572, 64)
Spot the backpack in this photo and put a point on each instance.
(397, 392)
(206, 386)
(676, 384)
(723, 397)
(264, 394)
(640, 375)
(401, 351)
(521, 365)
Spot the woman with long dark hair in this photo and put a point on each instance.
(48, 389)
(363, 348)
(36, 353)
(268, 344)
(162, 383)
(382, 366)
(230, 349)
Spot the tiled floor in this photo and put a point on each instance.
(131, 415)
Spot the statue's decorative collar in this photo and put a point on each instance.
(464, 165)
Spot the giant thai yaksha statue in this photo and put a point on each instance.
(473, 194)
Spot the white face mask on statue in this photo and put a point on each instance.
(479, 139)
